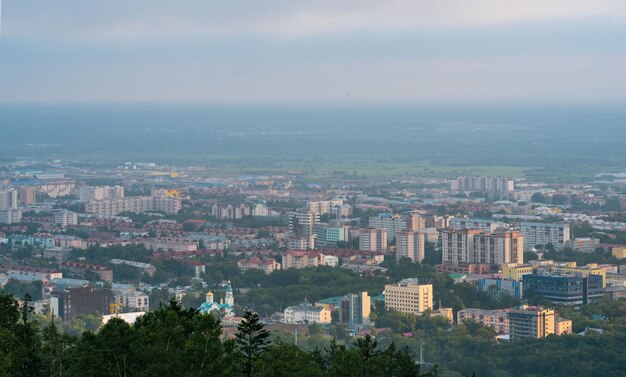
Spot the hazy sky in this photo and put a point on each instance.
(387, 51)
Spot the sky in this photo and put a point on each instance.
(338, 51)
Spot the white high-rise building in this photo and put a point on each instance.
(301, 223)
(393, 224)
(483, 184)
(8, 199)
(65, 218)
(498, 248)
(10, 216)
(457, 245)
(373, 239)
(486, 225)
(541, 234)
(135, 204)
(86, 194)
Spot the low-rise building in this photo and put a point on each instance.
(267, 265)
(584, 244)
(300, 259)
(511, 287)
(40, 272)
(79, 268)
(132, 299)
(307, 314)
(498, 320)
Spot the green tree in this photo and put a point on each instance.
(251, 340)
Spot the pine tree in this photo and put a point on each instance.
(251, 340)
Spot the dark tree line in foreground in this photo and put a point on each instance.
(173, 341)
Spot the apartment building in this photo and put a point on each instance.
(70, 303)
(268, 265)
(410, 244)
(498, 320)
(457, 245)
(132, 299)
(483, 184)
(389, 222)
(65, 218)
(542, 234)
(323, 207)
(486, 225)
(583, 244)
(373, 239)
(300, 259)
(135, 204)
(355, 309)
(499, 247)
(531, 322)
(86, 194)
(301, 223)
(10, 216)
(8, 199)
(27, 195)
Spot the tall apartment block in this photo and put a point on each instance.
(8, 199)
(373, 239)
(415, 222)
(486, 225)
(457, 245)
(392, 223)
(355, 309)
(541, 234)
(86, 194)
(410, 245)
(483, 184)
(135, 204)
(322, 207)
(301, 223)
(499, 247)
(27, 195)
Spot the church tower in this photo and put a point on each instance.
(230, 299)
(209, 297)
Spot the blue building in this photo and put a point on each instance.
(565, 289)
(512, 287)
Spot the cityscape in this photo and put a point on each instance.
(501, 258)
(397, 188)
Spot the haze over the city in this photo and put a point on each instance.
(342, 52)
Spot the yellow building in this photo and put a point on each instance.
(619, 252)
(562, 326)
(590, 269)
(513, 271)
(444, 313)
(531, 322)
(409, 296)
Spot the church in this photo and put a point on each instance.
(224, 308)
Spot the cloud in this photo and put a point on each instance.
(129, 19)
